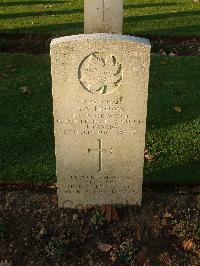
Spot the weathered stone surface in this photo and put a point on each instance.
(100, 89)
(103, 16)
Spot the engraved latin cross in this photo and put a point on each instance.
(103, 8)
(100, 150)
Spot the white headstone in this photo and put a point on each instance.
(100, 89)
(103, 16)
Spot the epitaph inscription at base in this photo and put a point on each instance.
(100, 89)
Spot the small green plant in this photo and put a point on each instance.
(97, 218)
(127, 253)
(174, 222)
(55, 248)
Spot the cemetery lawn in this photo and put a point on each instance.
(26, 120)
(61, 17)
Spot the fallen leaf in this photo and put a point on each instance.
(104, 247)
(42, 233)
(187, 244)
(178, 109)
(168, 215)
(162, 52)
(25, 90)
(149, 157)
(53, 186)
(172, 54)
(113, 256)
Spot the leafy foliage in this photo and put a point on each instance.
(127, 253)
(97, 218)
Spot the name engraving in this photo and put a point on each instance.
(92, 117)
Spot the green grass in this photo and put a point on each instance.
(26, 121)
(65, 17)
(26, 135)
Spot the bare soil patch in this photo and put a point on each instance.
(164, 231)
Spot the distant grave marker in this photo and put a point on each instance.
(103, 16)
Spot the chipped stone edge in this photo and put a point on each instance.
(100, 36)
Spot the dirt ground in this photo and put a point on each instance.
(164, 231)
(39, 44)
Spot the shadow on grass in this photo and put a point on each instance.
(173, 82)
(39, 14)
(27, 3)
(161, 16)
(60, 29)
(129, 19)
(184, 174)
(151, 5)
(186, 31)
(77, 28)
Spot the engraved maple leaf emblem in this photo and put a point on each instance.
(100, 74)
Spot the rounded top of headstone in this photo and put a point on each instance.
(100, 36)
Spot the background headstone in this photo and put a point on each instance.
(100, 89)
(103, 16)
